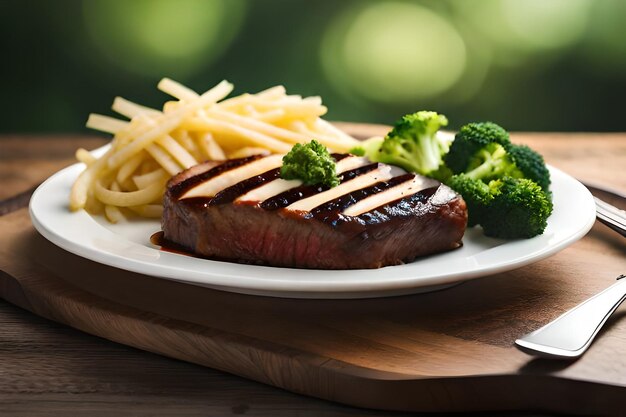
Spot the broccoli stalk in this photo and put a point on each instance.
(368, 148)
(311, 163)
(491, 162)
(412, 144)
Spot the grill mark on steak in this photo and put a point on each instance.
(231, 193)
(402, 207)
(180, 188)
(339, 204)
(289, 197)
(339, 156)
(380, 214)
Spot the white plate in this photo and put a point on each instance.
(127, 246)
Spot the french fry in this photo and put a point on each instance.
(249, 137)
(178, 152)
(259, 126)
(113, 213)
(184, 138)
(129, 167)
(271, 116)
(82, 185)
(129, 109)
(105, 123)
(211, 149)
(144, 180)
(176, 89)
(84, 156)
(164, 159)
(126, 199)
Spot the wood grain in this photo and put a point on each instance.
(444, 351)
(48, 369)
(26, 161)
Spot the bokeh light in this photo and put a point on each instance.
(547, 24)
(519, 30)
(393, 52)
(156, 37)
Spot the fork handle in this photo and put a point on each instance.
(570, 335)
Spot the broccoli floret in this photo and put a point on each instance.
(484, 151)
(507, 208)
(520, 209)
(413, 143)
(442, 174)
(472, 138)
(505, 186)
(477, 196)
(530, 164)
(311, 163)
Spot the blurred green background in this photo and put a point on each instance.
(527, 64)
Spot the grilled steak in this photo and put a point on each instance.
(241, 210)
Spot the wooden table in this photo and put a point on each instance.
(50, 369)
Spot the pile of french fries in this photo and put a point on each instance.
(153, 145)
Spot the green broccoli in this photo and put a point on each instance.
(477, 196)
(412, 144)
(530, 164)
(471, 139)
(520, 209)
(311, 163)
(491, 162)
(507, 208)
(368, 148)
(484, 151)
(504, 185)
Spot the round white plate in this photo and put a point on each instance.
(127, 246)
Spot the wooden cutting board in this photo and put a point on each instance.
(450, 350)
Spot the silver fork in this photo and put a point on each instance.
(611, 216)
(571, 334)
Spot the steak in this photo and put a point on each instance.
(241, 210)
